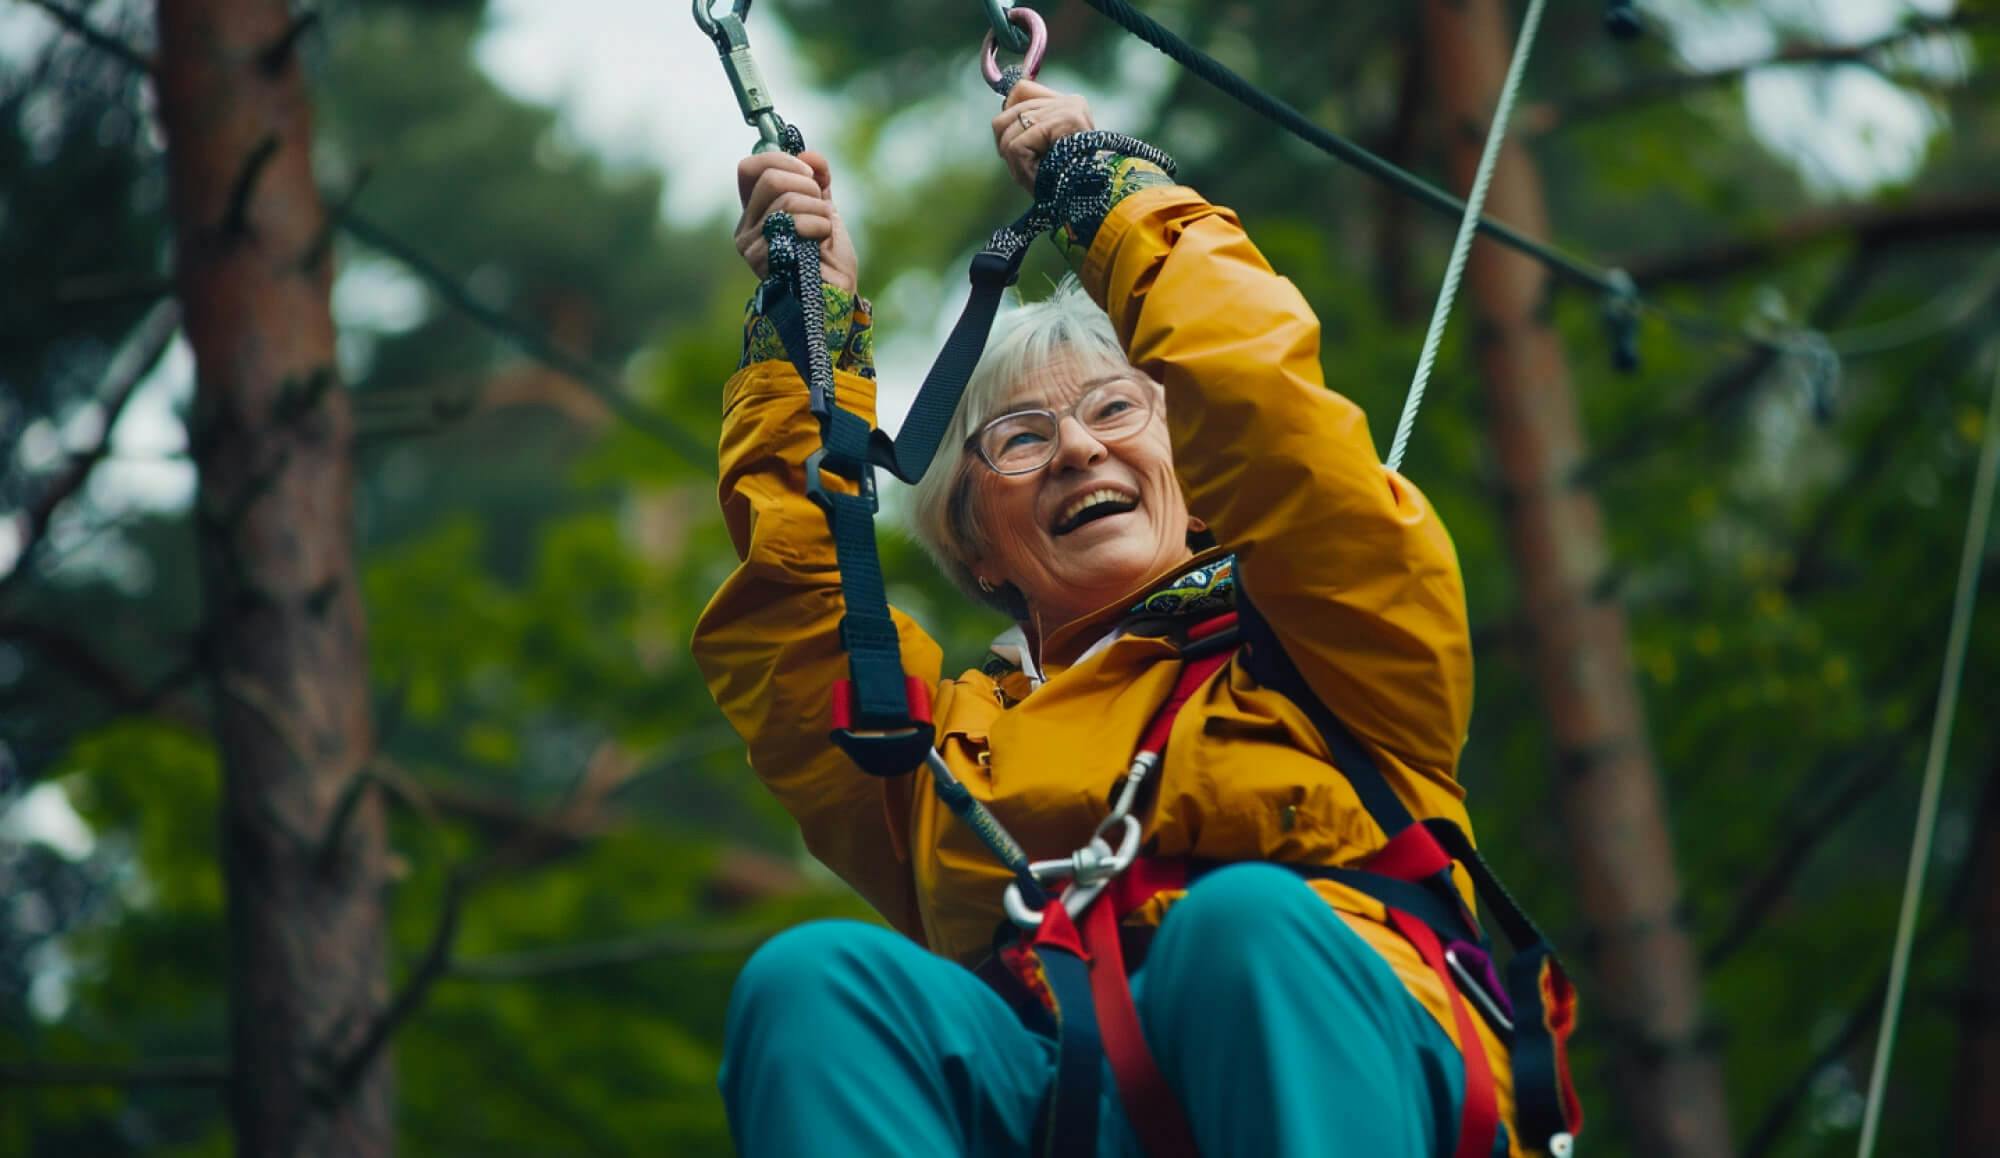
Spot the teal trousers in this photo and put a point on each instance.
(1282, 1032)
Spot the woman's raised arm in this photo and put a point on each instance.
(769, 641)
(1345, 559)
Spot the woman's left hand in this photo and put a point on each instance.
(1035, 117)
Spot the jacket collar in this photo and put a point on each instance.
(1200, 585)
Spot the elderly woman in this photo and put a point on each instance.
(1153, 446)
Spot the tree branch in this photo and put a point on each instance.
(532, 343)
(80, 27)
(193, 1071)
(1869, 225)
(1942, 923)
(415, 991)
(135, 359)
(633, 950)
(1762, 894)
(117, 687)
(236, 217)
(281, 51)
(1729, 385)
(1577, 110)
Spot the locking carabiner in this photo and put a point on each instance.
(732, 43)
(1037, 43)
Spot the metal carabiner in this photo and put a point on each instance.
(704, 15)
(1031, 55)
(732, 43)
(1090, 869)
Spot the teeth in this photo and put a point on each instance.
(1079, 504)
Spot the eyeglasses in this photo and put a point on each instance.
(1025, 441)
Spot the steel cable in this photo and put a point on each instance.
(1461, 246)
(1963, 603)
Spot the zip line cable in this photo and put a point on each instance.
(1461, 246)
(1963, 603)
(1235, 86)
(1612, 283)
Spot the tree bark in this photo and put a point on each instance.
(1647, 998)
(285, 645)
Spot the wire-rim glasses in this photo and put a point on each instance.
(1025, 441)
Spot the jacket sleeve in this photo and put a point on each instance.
(1345, 558)
(768, 643)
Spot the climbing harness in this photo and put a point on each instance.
(1971, 556)
(1068, 955)
(1068, 911)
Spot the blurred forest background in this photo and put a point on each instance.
(576, 858)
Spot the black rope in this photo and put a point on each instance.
(1615, 285)
(1243, 91)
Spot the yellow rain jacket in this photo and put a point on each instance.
(1344, 558)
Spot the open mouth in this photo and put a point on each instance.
(1091, 506)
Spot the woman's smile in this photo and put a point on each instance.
(1103, 512)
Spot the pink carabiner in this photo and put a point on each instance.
(1031, 60)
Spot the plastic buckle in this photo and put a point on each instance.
(884, 751)
(821, 461)
(989, 267)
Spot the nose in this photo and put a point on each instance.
(1076, 446)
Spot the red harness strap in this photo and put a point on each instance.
(1413, 855)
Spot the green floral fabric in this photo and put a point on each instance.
(850, 333)
(1124, 176)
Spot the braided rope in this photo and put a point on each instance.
(1461, 246)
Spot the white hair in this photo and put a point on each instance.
(1066, 324)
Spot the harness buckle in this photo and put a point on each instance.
(822, 461)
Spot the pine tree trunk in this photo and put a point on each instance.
(286, 645)
(1646, 999)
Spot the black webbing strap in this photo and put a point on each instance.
(876, 721)
(929, 419)
(1069, 1115)
(1536, 984)
(1264, 656)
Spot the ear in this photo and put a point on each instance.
(1196, 526)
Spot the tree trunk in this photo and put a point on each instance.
(286, 648)
(1646, 1002)
(1975, 1109)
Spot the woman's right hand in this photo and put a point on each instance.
(803, 187)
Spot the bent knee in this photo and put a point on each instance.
(1243, 905)
(803, 965)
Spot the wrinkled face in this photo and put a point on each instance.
(1101, 518)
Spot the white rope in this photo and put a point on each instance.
(1927, 806)
(1468, 225)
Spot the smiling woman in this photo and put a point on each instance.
(1056, 435)
(1146, 470)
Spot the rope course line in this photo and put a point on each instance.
(1613, 284)
(1963, 604)
(1461, 245)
